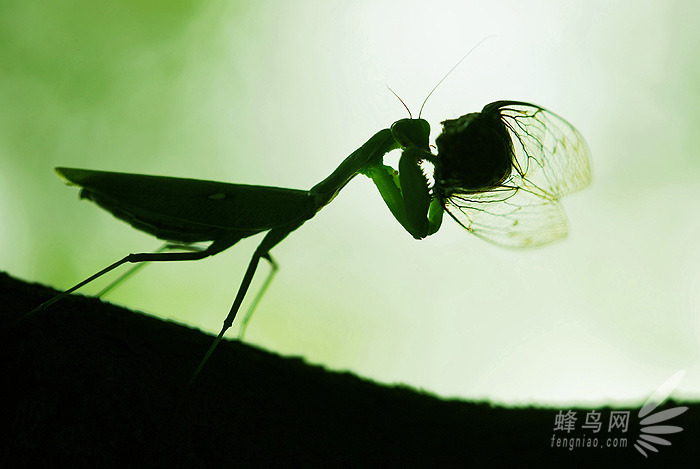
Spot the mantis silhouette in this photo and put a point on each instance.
(498, 173)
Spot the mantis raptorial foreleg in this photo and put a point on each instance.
(406, 192)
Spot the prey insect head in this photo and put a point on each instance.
(475, 154)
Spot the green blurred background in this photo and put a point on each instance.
(279, 92)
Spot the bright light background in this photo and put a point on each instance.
(278, 93)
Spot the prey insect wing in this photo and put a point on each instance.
(550, 154)
(550, 159)
(509, 216)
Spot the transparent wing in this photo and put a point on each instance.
(509, 216)
(551, 160)
(551, 156)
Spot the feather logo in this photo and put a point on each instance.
(654, 424)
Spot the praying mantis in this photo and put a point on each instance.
(499, 173)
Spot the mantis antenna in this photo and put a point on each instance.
(448, 73)
(399, 98)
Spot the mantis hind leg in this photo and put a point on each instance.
(274, 267)
(141, 265)
(214, 248)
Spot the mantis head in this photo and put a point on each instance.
(412, 133)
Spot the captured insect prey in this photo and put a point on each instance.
(499, 173)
